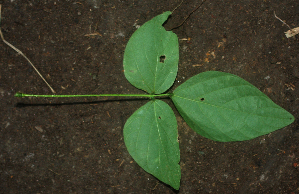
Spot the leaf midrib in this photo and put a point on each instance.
(226, 108)
(164, 151)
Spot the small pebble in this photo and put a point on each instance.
(39, 129)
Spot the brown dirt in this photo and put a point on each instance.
(76, 145)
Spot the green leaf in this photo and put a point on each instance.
(149, 45)
(151, 138)
(224, 107)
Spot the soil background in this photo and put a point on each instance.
(76, 145)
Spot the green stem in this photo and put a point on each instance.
(93, 95)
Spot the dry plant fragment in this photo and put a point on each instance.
(189, 13)
(291, 32)
(20, 52)
(93, 34)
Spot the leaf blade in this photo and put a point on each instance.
(224, 107)
(142, 66)
(151, 138)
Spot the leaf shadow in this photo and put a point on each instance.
(22, 105)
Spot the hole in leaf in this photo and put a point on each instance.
(162, 58)
(202, 99)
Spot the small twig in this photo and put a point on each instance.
(93, 34)
(282, 21)
(54, 172)
(20, 52)
(177, 6)
(189, 14)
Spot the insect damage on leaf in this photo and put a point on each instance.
(162, 58)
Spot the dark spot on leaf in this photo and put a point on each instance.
(202, 99)
(162, 58)
(159, 117)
